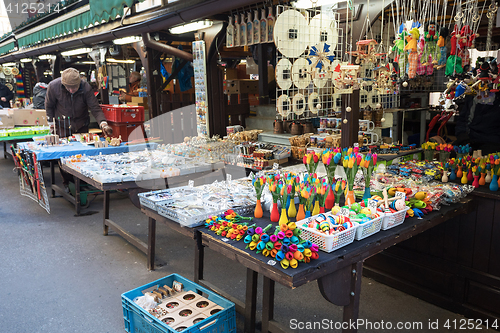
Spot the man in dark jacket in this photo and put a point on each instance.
(5, 96)
(67, 103)
(39, 92)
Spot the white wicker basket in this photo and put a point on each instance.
(327, 243)
(367, 229)
(391, 220)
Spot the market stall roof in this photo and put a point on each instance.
(7, 45)
(71, 30)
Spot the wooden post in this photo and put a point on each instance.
(56, 66)
(214, 38)
(154, 81)
(263, 77)
(351, 128)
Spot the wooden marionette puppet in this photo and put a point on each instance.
(454, 62)
(466, 41)
(413, 55)
(430, 54)
(443, 33)
(420, 67)
(399, 49)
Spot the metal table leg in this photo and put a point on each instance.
(52, 179)
(151, 244)
(105, 227)
(199, 257)
(77, 195)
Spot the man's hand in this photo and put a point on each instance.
(106, 129)
(3, 99)
(52, 127)
(122, 96)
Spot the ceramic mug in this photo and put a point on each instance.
(369, 138)
(234, 129)
(366, 125)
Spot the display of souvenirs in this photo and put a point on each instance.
(191, 206)
(200, 85)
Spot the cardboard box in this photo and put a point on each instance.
(172, 319)
(189, 297)
(213, 310)
(231, 74)
(144, 105)
(29, 117)
(198, 317)
(203, 304)
(6, 118)
(170, 304)
(186, 312)
(242, 87)
(139, 100)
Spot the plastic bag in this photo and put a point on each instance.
(147, 302)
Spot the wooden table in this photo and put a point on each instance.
(338, 273)
(106, 188)
(15, 139)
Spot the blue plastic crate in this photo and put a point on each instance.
(137, 320)
(143, 94)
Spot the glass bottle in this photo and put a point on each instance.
(236, 31)
(229, 33)
(263, 27)
(256, 27)
(249, 29)
(270, 25)
(243, 31)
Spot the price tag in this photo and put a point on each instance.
(344, 211)
(191, 183)
(224, 239)
(251, 175)
(276, 166)
(271, 262)
(229, 177)
(372, 205)
(400, 195)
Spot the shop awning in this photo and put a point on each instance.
(7, 48)
(178, 13)
(109, 9)
(69, 23)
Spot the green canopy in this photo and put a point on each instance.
(71, 25)
(108, 10)
(7, 48)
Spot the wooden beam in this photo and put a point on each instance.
(173, 75)
(214, 38)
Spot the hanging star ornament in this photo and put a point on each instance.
(320, 56)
